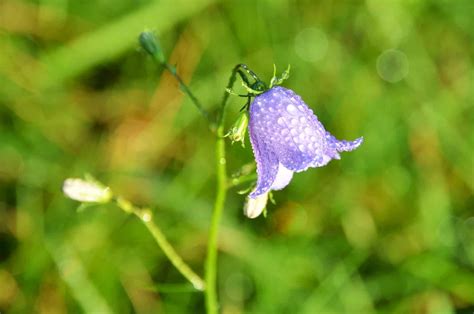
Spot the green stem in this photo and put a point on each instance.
(186, 89)
(221, 189)
(146, 217)
(211, 260)
(233, 182)
(151, 45)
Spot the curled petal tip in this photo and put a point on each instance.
(354, 144)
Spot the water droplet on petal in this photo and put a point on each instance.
(301, 147)
(291, 108)
(302, 119)
(281, 121)
(293, 132)
(294, 121)
(284, 131)
(308, 131)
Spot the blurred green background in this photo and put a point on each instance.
(387, 229)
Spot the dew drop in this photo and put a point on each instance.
(308, 131)
(146, 216)
(284, 131)
(302, 136)
(301, 147)
(291, 108)
(302, 119)
(281, 121)
(294, 121)
(293, 132)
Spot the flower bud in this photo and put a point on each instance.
(151, 45)
(239, 129)
(254, 206)
(87, 191)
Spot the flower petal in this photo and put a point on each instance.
(343, 145)
(333, 147)
(283, 178)
(291, 129)
(267, 162)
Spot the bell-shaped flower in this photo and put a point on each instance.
(287, 137)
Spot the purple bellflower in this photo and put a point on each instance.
(287, 137)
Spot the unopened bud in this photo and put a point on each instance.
(239, 129)
(254, 206)
(151, 45)
(87, 191)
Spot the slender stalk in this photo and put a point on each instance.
(221, 189)
(241, 180)
(146, 217)
(186, 90)
(151, 45)
(211, 260)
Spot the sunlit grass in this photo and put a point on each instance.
(388, 228)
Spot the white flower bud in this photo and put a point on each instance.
(87, 191)
(254, 206)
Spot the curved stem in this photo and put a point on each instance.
(146, 217)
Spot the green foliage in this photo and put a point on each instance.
(389, 228)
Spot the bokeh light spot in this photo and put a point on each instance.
(311, 44)
(392, 65)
